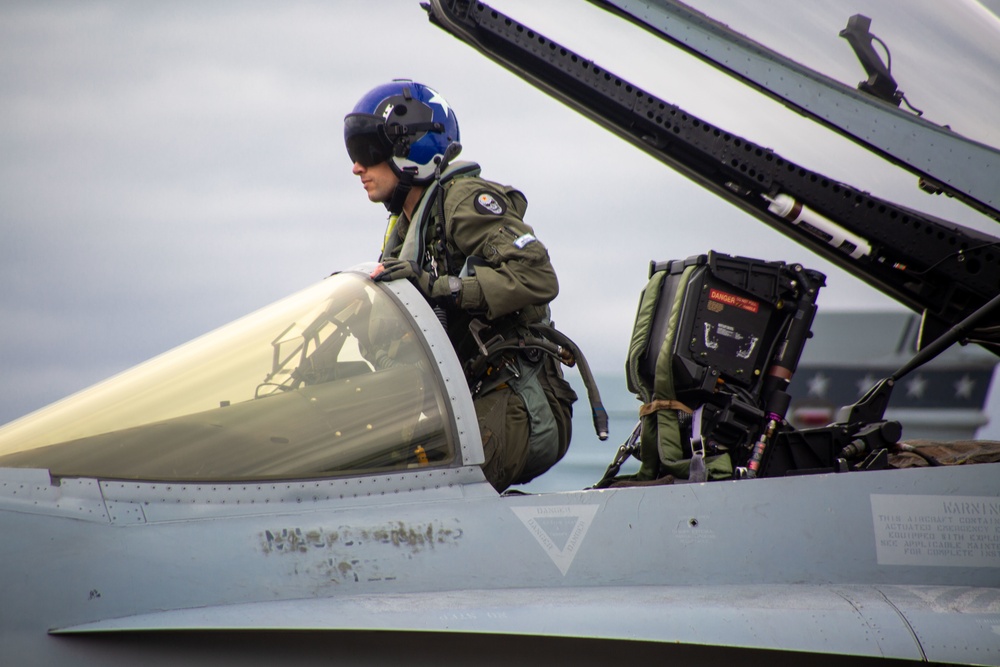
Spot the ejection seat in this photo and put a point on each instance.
(715, 341)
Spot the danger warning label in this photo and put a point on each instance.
(728, 299)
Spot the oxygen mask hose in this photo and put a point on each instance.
(597, 410)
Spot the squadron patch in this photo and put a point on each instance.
(487, 204)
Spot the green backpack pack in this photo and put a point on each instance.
(664, 440)
(709, 333)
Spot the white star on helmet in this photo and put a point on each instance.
(440, 101)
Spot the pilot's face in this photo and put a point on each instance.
(378, 180)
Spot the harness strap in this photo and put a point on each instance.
(662, 404)
(547, 339)
(395, 208)
(413, 244)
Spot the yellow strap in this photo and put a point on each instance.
(662, 404)
(389, 229)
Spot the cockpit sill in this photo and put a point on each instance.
(132, 502)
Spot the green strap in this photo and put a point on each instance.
(640, 336)
(664, 437)
(543, 439)
(670, 445)
(413, 245)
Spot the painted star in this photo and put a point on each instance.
(440, 101)
(964, 387)
(865, 383)
(916, 387)
(818, 385)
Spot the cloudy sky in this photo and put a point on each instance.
(168, 167)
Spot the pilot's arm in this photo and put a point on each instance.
(515, 270)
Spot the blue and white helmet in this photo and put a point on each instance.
(402, 122)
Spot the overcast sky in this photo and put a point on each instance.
(168, 167)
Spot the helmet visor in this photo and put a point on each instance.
(364, 135)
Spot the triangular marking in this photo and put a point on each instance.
(559, 529)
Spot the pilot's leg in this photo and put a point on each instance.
(504, 426)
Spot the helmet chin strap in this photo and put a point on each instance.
(395, 203)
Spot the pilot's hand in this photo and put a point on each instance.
(396, 269)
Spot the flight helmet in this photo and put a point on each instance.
(402, 122)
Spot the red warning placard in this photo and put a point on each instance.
(732, 300)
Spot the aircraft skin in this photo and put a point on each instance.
(370, 568)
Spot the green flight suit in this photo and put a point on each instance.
(523, 404)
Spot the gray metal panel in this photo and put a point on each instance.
(966, 166)
(971, 636)
(842, 620)
(32, 491)
(142, 502)
(797, 563)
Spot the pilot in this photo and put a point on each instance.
(462, 241)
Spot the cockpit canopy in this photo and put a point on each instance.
(333, 380)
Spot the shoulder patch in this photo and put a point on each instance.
(487, 204)
(524, 240)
